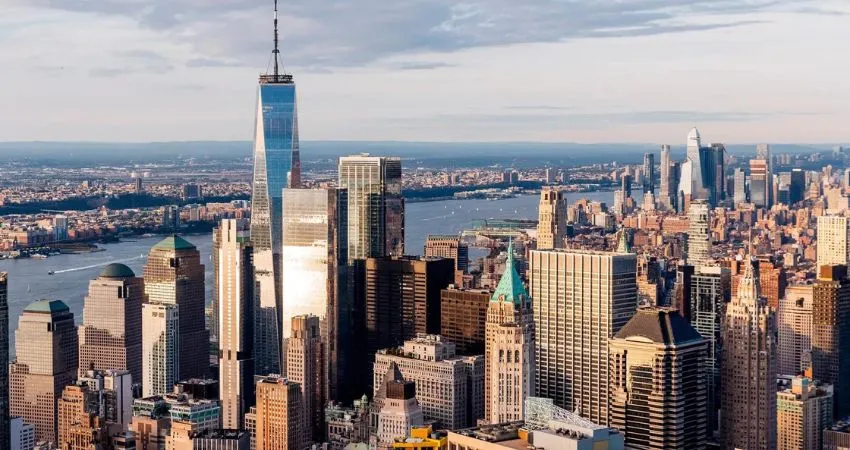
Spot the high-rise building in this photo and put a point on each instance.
(306, 365)
(375, 205)
(403, 299)
(160, 348)
(280, 420)
(509, 350)
(111, 333)
(46, 361)
(699, 234)
(831, 334)
(833, 243)
(794, 321)
(803, 411)
(748, 369)
(174, 275)
(552, 224)
(668, 186)
(4, 360)
(581, 299)
(399, 413)
(797, 186)
(450, 388)
(277, 165)
(98, 406)
(648, 172)
(234, 286)
(21, 435)
(714, 172)
(740, 184)
(463, 318)
(315, 272)
(772, 279)
(658, 382)
(448, 246)
(692, 182)
(759, 183)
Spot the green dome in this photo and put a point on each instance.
(47, 306)
(117, 271)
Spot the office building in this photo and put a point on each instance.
(803, 411)
(714, 172)
(794, 322)
(277, 165)
(315, 269)
(772, 281)
(399, 413)
(178, 406)
(648, 172)
(837, 436)
(565, 287)
(174, 275)
(448, 246)
(280, 420)
(664, 194)
(699, 234)
(21, 435)
(46, 350)
(692, 182)
(831, 334)
(160, 348)
(348, 425)
(760, 183)
(509, 349)
(658, 382)
(740, 185)
(797, 186)
(80, 421)
(748, 369)
(552, 223)
(306, 364)
(450, 388)
(403, 299)
(463, 318)
(234, 287)
(833, 244)
(4, 360)
(111, 333)
(198, 388)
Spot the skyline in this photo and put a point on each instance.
(759, 69)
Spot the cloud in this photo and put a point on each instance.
(340, 33)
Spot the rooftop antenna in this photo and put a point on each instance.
(276, 51)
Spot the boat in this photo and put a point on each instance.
(39, 256)
(51, 272)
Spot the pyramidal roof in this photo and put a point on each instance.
(510, 288)
(660, 325)
(47, 306)
(748, 288)
(623, 243)
(174, 242)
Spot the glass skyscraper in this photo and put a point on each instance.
(276, 166)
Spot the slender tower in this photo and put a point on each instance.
(4, 362)
(276, 166)
(664, 194)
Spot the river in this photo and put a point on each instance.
(29, 279)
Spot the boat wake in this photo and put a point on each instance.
(105, 263)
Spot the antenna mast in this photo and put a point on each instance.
(276, 51)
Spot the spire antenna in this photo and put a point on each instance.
(276, 51)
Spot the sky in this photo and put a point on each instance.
(587, 71)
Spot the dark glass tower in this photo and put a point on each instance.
(276, 166)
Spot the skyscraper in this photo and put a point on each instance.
(763, 154)
(509, 350)
(552, 224)
(234, 287)
(4, 361)
(315, 272)
(831, 333)
(740, 183)
(714, 170)
(665, 193)
(658, 385)
(692, 181)
(699, 234)
(803, 412)
(160, 348)
(464, 317)
(748, 369)
(111, 332)
(174, 275)
(448, 246)
(833, 243)
(581, 299)
(280, 419)
(306, 365)
(648, 172)
(759, 183)
(798, 186)
(794, 321)
(46, 361)
(277, 165)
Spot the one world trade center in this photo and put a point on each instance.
(276, 166)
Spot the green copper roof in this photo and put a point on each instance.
(174, 242)
(510, 287)
(117, 271)
(47, 306)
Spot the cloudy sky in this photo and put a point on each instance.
(430, 70)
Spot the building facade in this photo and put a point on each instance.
(280, 420)
(448, 246)
(4, 361)
(160, 348)
(400, 412)
(794, 321)
(833, 243)
(463, 318)
(552, 221)
(803, 412)
(831, 334)
(699, 234)
(581, 299)
(306, 364)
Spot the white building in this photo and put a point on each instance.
(833, 240)
(160, 350)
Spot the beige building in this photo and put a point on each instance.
(552, 224)
(581, 299)
(160, 348)
(306, 364)
(794, 323)
(658, 382)
(699, 234)
(833, 243)
(450, 388)
(509, 348)
(448, 246)
(111, 332)
(151, 433)
(46, 351)
(803, 412)
(400, 411)
(280, 422)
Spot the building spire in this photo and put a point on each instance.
(276, 51)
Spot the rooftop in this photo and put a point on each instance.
(117, 271)
(659, 325)
(174, 242)
(510, 287)
(47, 306)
